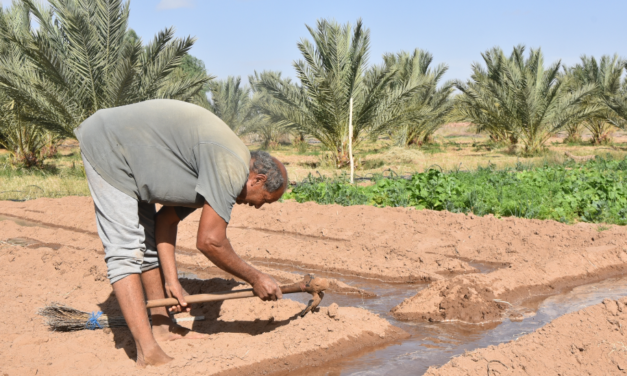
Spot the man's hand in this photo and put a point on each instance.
(266, 288)
(166, 224)
(214, 244)
(175, 290)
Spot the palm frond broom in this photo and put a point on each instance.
(62, 318)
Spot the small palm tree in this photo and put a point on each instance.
(334, 69)
(606, 76)
(23, 139)
(270, 128)
(618, 104)
(517, 98)
(82, 63)
(429, 105)
(231, 101)
(193, 67)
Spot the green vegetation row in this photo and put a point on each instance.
(592, 192)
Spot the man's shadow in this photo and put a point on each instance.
(211, 311)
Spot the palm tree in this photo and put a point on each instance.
(23, 139)
(429, 105)
(332, 71)
(190, 67)
(270, 128)
(606, 76)
(82, 63)
(232, 103)
(517, 98)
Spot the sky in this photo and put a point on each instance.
(237, 37)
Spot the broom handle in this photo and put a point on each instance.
(219, 296)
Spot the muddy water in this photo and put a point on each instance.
(433, 344)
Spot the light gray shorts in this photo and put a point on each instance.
(126, 228)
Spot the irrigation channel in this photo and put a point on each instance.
(434, 344)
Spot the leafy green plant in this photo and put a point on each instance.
(592, 192)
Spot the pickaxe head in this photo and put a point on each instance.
(315, 286)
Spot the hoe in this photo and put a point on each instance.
(62, 318)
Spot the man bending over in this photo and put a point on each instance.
(183, 157)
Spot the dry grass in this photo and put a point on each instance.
(62, 176)
(31, 187)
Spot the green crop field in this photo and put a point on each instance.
(592, 192)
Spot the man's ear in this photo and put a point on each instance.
(260, 179)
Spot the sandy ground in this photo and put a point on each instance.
(520, 259)
(247, 336)
(591, 341)
(478, 269)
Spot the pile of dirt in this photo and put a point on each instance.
(246, 336)
(456, 301)
(587, 342)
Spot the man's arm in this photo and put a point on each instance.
(166, 226)
(214, 244)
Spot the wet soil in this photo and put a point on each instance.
(434, 344)
(584, 341)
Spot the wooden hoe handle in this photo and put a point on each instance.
(303, 286)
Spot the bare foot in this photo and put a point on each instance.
(152, 357)
(164, 329)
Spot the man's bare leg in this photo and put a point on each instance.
(163, 328)
(129, 294)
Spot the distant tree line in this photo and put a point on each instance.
(82, 57)
(516, 99)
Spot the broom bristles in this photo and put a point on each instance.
(60, 317)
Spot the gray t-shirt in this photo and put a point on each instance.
(168, 152)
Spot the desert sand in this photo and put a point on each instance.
(462, 267)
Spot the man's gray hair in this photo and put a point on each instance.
(262, 163)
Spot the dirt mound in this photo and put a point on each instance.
(455, 301)
(587, 342)
(247, 336)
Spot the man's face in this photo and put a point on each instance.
(255, 193)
